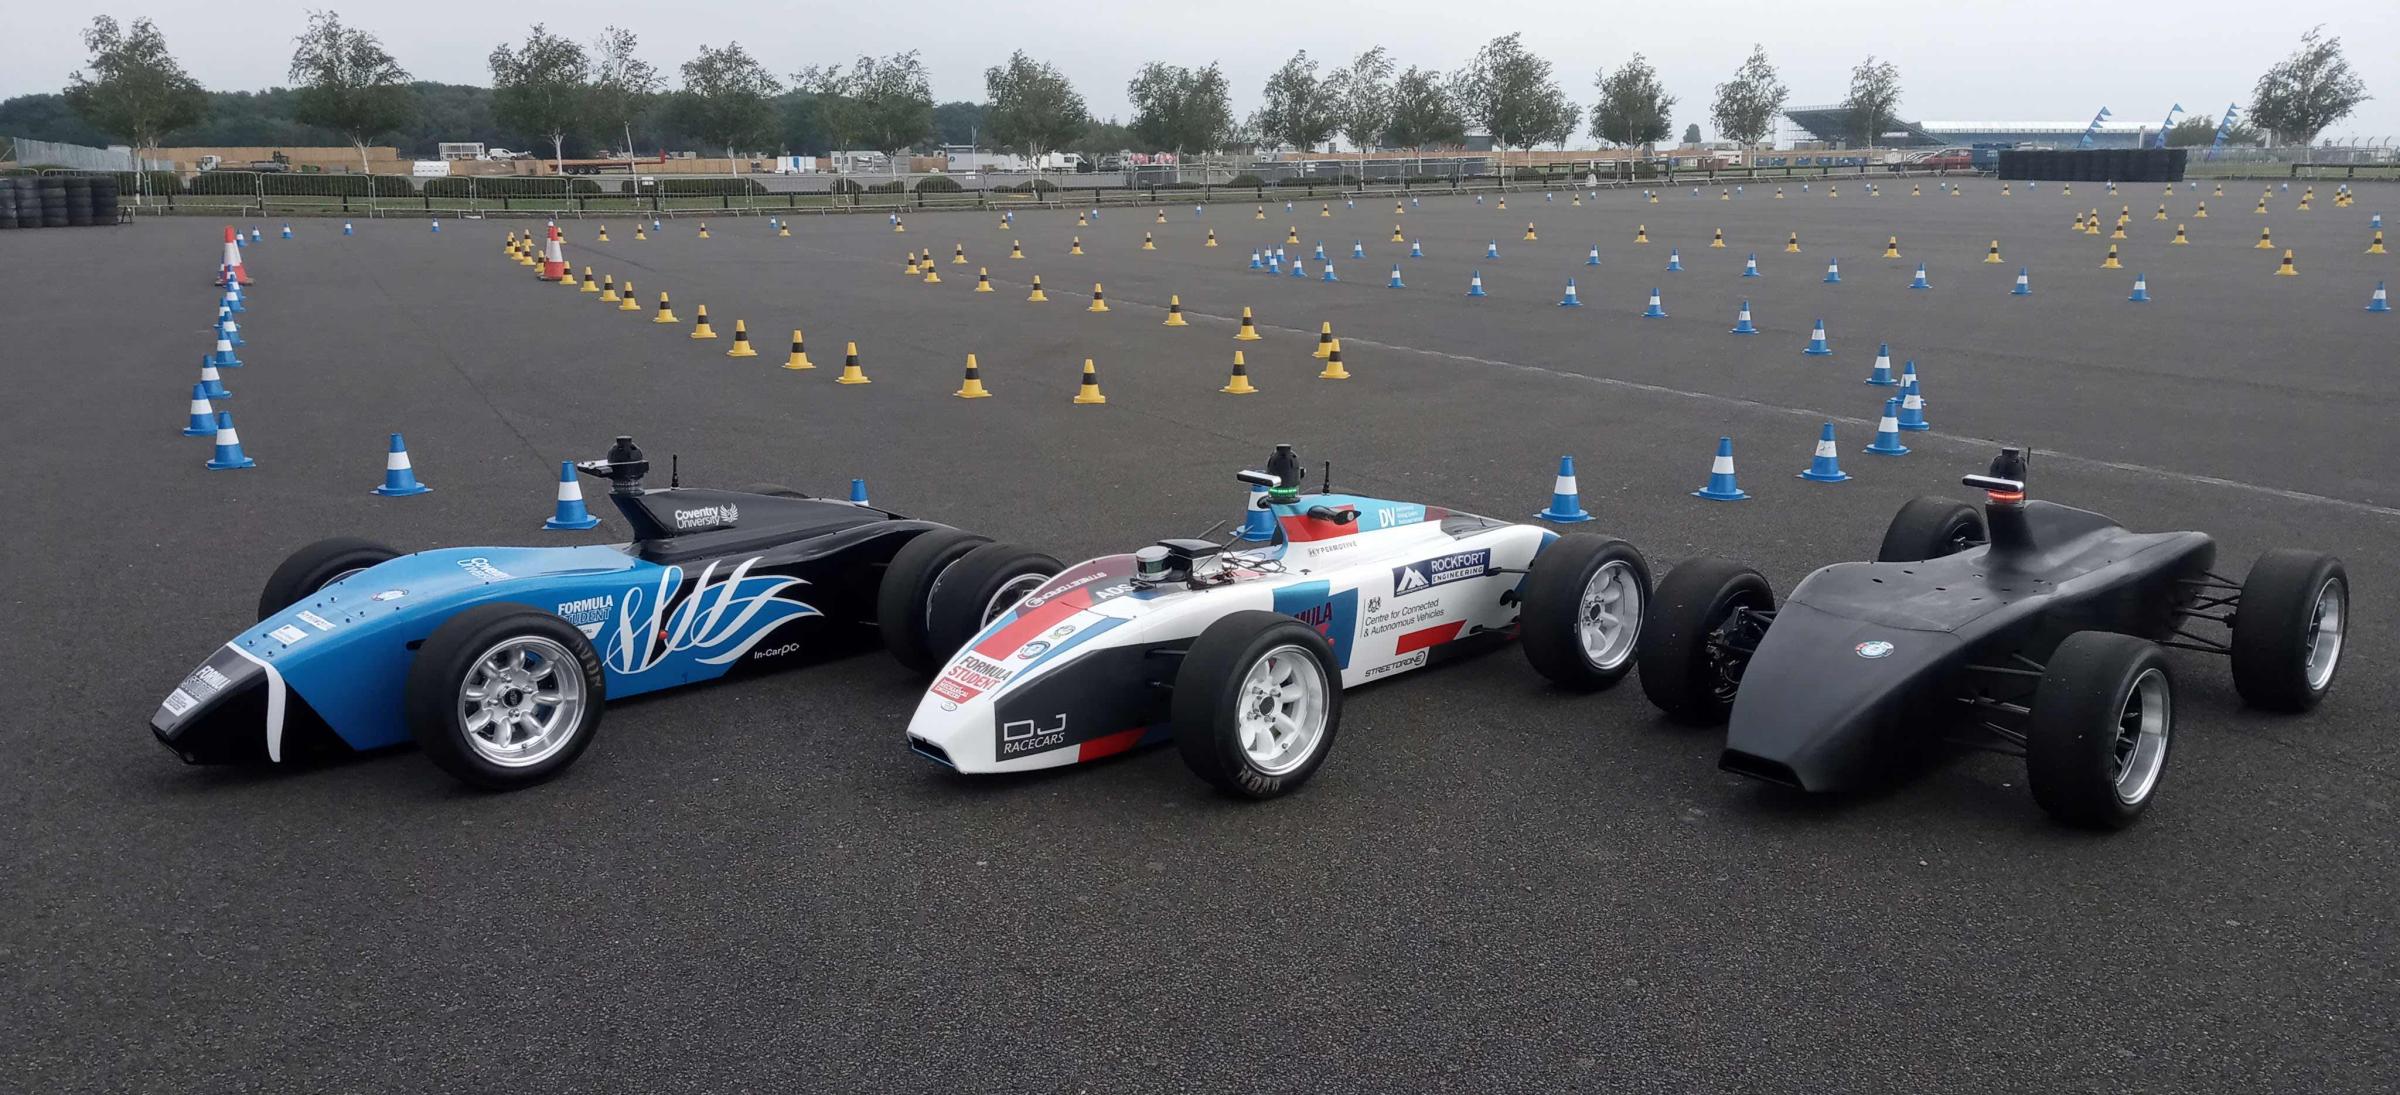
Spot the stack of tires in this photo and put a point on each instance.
(57, 201)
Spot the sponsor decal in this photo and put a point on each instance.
(204, 682)
(288, 635)
(1067, 585)
(178, 702)
(724, 515)
(1875, 648)
(1024, 737)
(1405, 615)
(972, 676)
(775, 651)
(481, 568)
(1062, 631)
(588, 614)
(1334, 615)
(717, 621)
(1374, 605)
(1033, 650)
(389, 595)
(1440, 570)
(1386, 669)
(315, 621)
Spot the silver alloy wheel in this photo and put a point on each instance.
(2142, 728)
(1010, 593)
(2325, 626)
(521, 701)
(1610, 617)
(1282, 709)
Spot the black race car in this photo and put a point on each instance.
(2032, 629)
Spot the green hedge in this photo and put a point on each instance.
(938, 184)
(1245, 179)
(848, 187)
(1029, 186)
(684, 188)
(508, 186)
(285, 185)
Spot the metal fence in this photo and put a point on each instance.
(78, 157)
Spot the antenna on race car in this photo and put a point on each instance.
(1325, 485)
(2004, 505)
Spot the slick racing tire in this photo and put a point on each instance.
(2288, 629)
(1688, 670)
(2096, 740)
(904, 600)
(1257, 700)
(1584, 602)
(504, 696)
(1929, 528)
(316, 566)
(986, 581)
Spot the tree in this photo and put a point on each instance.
(1511, 94)
(623, 86)
(2308, 91)
(1180, 109)
(1691, 135)
(1874, 92)
(1633, 107)
(724, 100)
(886, 102)
(1295, 109)
(1034, 109)
(1423, 112)
(542, 88)
(960, 122)
(136, 89)
(2199, 130)
(348, 83)
(1360, 95)
(1746, 105)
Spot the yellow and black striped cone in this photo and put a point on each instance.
(1174, 312)
(1333, 364)
(783, 228)
(1641, 233)
(1148, 244)
(1291, 234)
(851, 373)
(1529, 231)
(2111, 263)
(1090, 391)
(2201, 213)
(589, 285)
(1914, 192)
(2066, 190)
(603, 236)
(701, 331)
(741, 342)
(2266, 242)
(703, 229)
(2162, 212)
(1396, 236)
(912, 270)
(1992, 257)
(1792, 246)
(1324, 342)
(899, 225)
(1212, 238)
(1037, 296)
(2376, 247)
(932, 275)
(2079, 221)
(566, 277)
(1260, 215)
(958, 254)
(1503, 201)
(666, 311)
(2262, 205)
(1239, 383)
(1717, 241)
(2180, 239)
(1016, 249)
(1324, 209)
(1077, 249)
(1099, 300)
(2004, 191)
(972, 387)
(629, 301)
(509, 246)
(1162, 216)
(608, 289)
(525, 252)
(798, 358)
(983, 280)
(2118, 233)
(2219, 192)
(2287, 270)
(1249, 331)
(1082, 221)
(640, 233)
(1891, 249)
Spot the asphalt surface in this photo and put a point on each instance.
(1492, 885)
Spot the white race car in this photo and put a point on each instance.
(1240, 653)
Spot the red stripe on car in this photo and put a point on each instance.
(1425, 637)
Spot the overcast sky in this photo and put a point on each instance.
(2018, 60)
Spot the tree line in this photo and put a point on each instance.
(602, 94)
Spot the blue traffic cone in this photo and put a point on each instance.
(1594, 258)
(1395, 283)
(655, 226)
(1320, 251)
(232, 300)
(437, 228)
(1920, 283)
(1816, 342)
(1416, 249)
(1328, 275)
(223, 357)
(1254, 263)
(1479, 199)
(1912, 408)
(1258, 522)
(230, 456)
(211, 382)
(1491, 250)
(2024, 286)
(1827, 467)
(1720, 486)
(347, 230)
(1299, 268)
(2141, 289)
(1569, 301)
(1750, 268)
(1656, 310)
(2378, 221)
(1674, 260)
(227, 327)
(287, 230)
(1358, 250)
(1908, 375)
(1833, 271)
(1566, 501)
(1741, 321)
(1545, 196)
(570, 515)
(399, 477)
(1475, 284)
(1887, 431)
(2379, 302)
(858, 492)
(203, 422)
(1882, 376)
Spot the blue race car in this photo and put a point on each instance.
(498, 661)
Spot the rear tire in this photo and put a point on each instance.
(902, 602)
(2289, 629)
(316, 566)
(985, 582)
(1929, 528)
(1582, 619)
(1684, 671)
(2096, 741)
(529, 740)
(1257, 701)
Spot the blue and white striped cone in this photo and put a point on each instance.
(399, 478)
(655, 226)
(1479, 199)
(891, 218)
(1887, 431)
(223, 357)
(1416, 249)
(1741, 321)
(2379, 302)
(1287, 207)
(1358, 249)
(203, 422)
(1750, 267)
(570, 516)
(1299, 268)
(1395, 283)
(2024, 285)
(240, 295)
(2141, 289)
(1350, 203)
(858, 492)
(1412, 203)
(232, 300)
(1833, 271)
(1920, 283)
(1254, 263)
(227, 327)
(347, 230)
(1816, 342)
(1908, 378)
(211, 382)
(1491, 250)
(1274, 265)
(1545, 196)
(1804, 188)
(1656, 309)
(1912, 408)
(1566, 500)
(1882, 376)
(1258, 522)
(287, 230)
(1197, 210)
(1570, 301)
(1827, 467)
(1674, 260)
(1320, 256)
(1328, 275)
(437, 227)
(2377, 222)
(1720, 486)
(1475, 284)
(230, 456)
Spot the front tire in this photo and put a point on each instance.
(984, 583)
(2096, 740)
(1257, 700)
(316, 566)
(902, 602)
(1688, 671)
(504, 696)
(1584, 602)
(2288, 629)
(1929, 528)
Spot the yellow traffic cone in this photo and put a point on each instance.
(1174, 312)
(2262, 205)
(2118, 233)
(1717, 241)
(1162, 216)
(608, 289)
(783, 228)
(1212, 238)
(1090, 391)
(1239, 384)
(1147, 243)
(1082, 221)
(851, 373)
(2079, 222)
(640, 233)
(972, 387)
(2180, 239)
(899, 225)
(2219, 192)
(567, 278)
(1333, 364)
(932, 275)
(1249, 331)
(1037, 296)
(1396, 236)
(603, 237)
(2004, 191)
(1992, 257)
(1077, 249)
(1016, 249)
(2066, 190)
(1324, 210)
(1723, 195)
(2287, 270)
(741, 342)
(983, 280)
(1397, 211)
(703, 229)
(2091, 224)
(798, 359)
(1291, 234)
(1891, 250)
(666, 312)
(1099, 302)
(1504, 202)
(1324, 341)
(1260, 215)
(1641, 233)
(2376, 247)
(629, 301)
(2265, 242)
(1578, 200)
(2201, 213)
(958, 255)
(1914, 192)
(589, 286)
(1529, 231)
(1778, 193)
(2111, 263)
(2162, 212)
(700, 328)
(1792, 247)
(912, 270)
